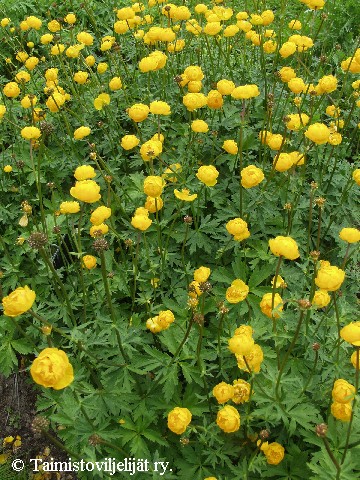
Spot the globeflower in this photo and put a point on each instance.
(285, 247)
(89, 261)
(208, 174)
(100, 214)
(318, 133)
(239, 228)
(201, 274)
(31, 133)
(237, 292)
(138, 112)
(160, 108)
(84, 172)
(274, 452)
(330, 278)
(129, 141)
(52, 369)
(350, 235)
(153, 186)
(19, 301)
(241, 344)
(86, 190)
(185, 195)
(178, 420)
(69, 207)
(351, 333)
(253, 360)
(242, 391)
(251, 176)
(266, 303)
(343, 391)
(341, 411)
(223, 392)
(230, 146)
(228, 419)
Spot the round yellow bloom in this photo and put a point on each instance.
(265, 305)
(244, 92)
(225, 87)
(318, 133)
(90, 60)
(201, 274)
(287, 49)
(214, 99)
(284, 246)
(251, 176)
(242, 391)
(199, 126)
(274, 453)
(5, 22)
(52, 369)
(282, 162)
(100, 214)
(253, 360)
(356, 176)
(81, 132)
(85, 38)
(330, 278)
(28, 101)
(54, 26)
(86, 190)
(69, 207)
(19, 301)
(98, 230)
(81, 77)
(57, 49)
(353, 359)
(178, 419)
(223, 392)
(8, 168)
(11, 90)
(351, 333)
(327, 84)
(101, 101)
(208, 174)
(228, 419)
(193, 101)
(138, 112)
(295, 25)
(2, 111)
(341, 411)
(84, 172)
(185, 195)
(165, 318)
(70, 18)
(160, 108)
(153, 186)
(286, 74)
(350, 235)
(274, 141)
(343, 391)
(239, 228)
(30, 133)
(89, 261)
(46, 38)
(241, 344)
(150, 149)
(321, 298)
(129, 141)
(141, 221)
(212, 28)
(237, 292)
(295, 121)
(153, 204)
(230, 146)
(115, 83)
(296, 85)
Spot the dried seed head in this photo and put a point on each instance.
(111, 275)
(37, 240)
(304, 304)
(198, 318)
(178, 79)
(188, 219)
(20, 164)
(321, 430)
(39, 424)
(264, 434)
(50, 185)
(287, 206)
(94, 439)
(315, 254)
(313, 185)
(320, 202)
(184, 441)
(128, 242)
(108, 178)
(46, 128)
(205, 286)
(316, 346)
(56, 229)
(192, 303)
(100, 244)
(92, 155)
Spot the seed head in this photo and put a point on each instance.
(321, 430)
(37, 240)
(100, 244)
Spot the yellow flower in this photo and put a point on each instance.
(153, 186)
(8, 168)
(193, 101)
(223, 392)
(350, 235)
(295, 25)
(351, 333)
(81, 77)
(296, 85)
(330, 278)
(84, 172)
(237, 292)
(287, 49)
(69, 207)
(282, 162)
(327, 84)
(129, 141)
(101, 101)
(98, 230)
(85, 38)
(150, 149)
(242, 391)
(284, 246)
(241, 344)
(30, 133)
(228, 419)
(160, 108)
(201, 274)
(253, 360)
(89, 261)
(321, 298)
(19, 301)
(153, 204)
(185, 195)
(11, 90)
(214, 99)
(239, 228)
(208, 175)
(90, 60)
(251, 176)
(265, 305)
(46, 38)
(286, 74)
(343, 391)
(225, 87)
(199, 126)
(353, 359)
(274, 141)
(52, 369)
(54, 26)
(341, 411)
(165, 318)
(318, 133)
(178, 419)
(245, 91)
(141, 219)
(230, 146)
(274, 453)
(356, 176)
(115, 83)
(100, 214)
(70, 18)
(86, 190)
(81, 132)
(138, 112)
